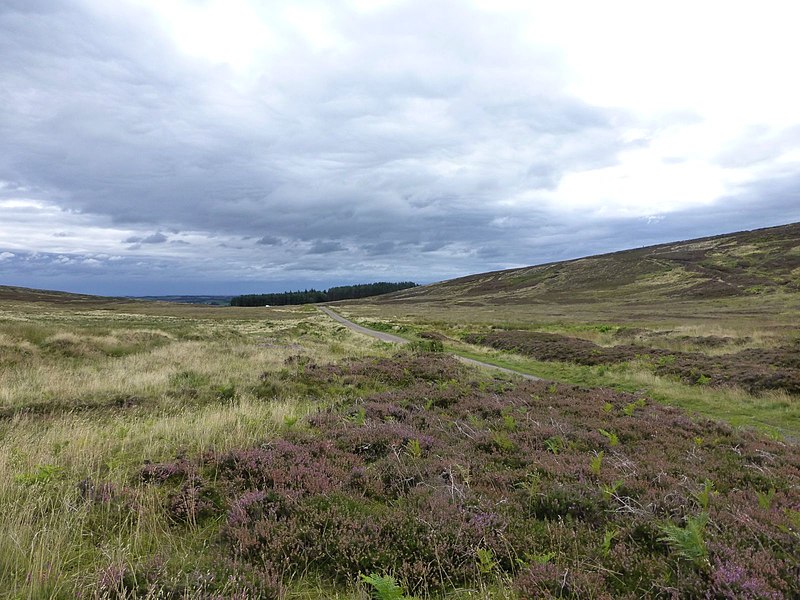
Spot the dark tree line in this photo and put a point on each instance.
(341, 292)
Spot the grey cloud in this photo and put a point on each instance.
(381, 249)
(269, 240)
(132, 113)
(491, 252)
(308, 267)
(155, 238)
(433, 246)
(323, 247)
(758, 145)
(402, 147)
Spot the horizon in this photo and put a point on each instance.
(223, 148)
(302, 287)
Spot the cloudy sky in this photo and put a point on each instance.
(230, 146)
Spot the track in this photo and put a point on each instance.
(388, 337)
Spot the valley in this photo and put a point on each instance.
(161, 450)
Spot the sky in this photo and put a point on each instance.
(152, 147)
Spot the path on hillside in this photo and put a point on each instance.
(388, 337)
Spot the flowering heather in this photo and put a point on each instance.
(448, 482)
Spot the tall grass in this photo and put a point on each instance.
(91, 397)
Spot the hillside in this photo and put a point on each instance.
(209, 300)
(22, 294)
(13, 298)
(707, 324)
(749, 263)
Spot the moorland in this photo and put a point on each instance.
(156, 450)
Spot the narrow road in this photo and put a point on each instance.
(388, 337)
(384, 337)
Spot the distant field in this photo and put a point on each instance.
(209, 300)
(724, 359)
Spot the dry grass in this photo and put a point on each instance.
(94, 394)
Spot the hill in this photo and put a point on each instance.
(747, 263)
(22, 294)
(708, 324)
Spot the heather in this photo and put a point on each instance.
(754, 369)
(447, 481)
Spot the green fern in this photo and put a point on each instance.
(704, 496)
(688, 542)
(765, 498)
(608, 537)
(486, 562)
(596, 462)
(612, 437)
(384, 587)
(554, 444)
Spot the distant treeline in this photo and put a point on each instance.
(342, 292)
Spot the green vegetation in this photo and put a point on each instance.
(384, 587)
(600, 321)
(342, 292)
(688, 541)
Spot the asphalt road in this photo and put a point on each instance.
(388, 337)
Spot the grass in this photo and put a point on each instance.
(92, 395)
(775, 411)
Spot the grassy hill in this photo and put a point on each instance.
(749, 263)
(22, 294)
(13, 298)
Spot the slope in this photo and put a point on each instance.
(749, 263)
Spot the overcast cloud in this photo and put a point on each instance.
(225, 146)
